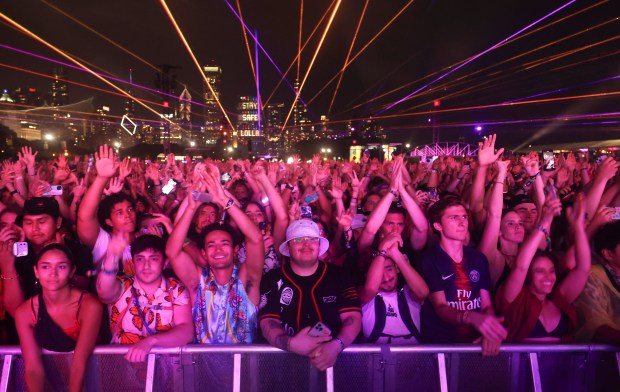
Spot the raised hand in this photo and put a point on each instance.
(27, 156)
(105, 162)
(115, 186)
(486, 151)
(336, 190)
(124, 169)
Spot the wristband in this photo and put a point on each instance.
(393, 192)
(108, 272)
(229, 204)
(534, 176)
(341, 343)
(380, 253)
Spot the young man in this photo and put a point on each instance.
(459, 309)
(115, 213)
(146, 310)
(305, 291)
(598, 306)
(40, 222)
(391, 311)
(224, 294)
(387, 218)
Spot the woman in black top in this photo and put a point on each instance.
(61, 318)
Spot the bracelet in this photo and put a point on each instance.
(341, 343)
(229, 204)
(9, 277)
(546, 233)
(534, 176)
(393, 192)
(498, 182)
(380, 253)
(109, 272)
(289, 187)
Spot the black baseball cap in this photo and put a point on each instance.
(41, 206)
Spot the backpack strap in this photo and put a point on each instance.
(379, 319)
(405, 314)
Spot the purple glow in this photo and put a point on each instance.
(100, 74)
(263, 49)
(476, 56)
(478, 128)
(561, 89)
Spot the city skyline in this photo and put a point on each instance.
(548, 62)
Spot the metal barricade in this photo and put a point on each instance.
(360, 368)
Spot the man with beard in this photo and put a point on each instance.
(305, 291)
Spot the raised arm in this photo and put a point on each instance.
(419, 234)
(486, 157)
(575, 281)
(109, 287)
(277, 205)
(252, 270)
(488, 243)
(87, 223)
(183, 265)
(606, 171)
(377, 216)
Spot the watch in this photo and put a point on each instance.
(382, 253)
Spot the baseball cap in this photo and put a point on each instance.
(41, 206)
(303, 228)
(519, 199)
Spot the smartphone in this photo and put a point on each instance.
(601, 159)
(20, 249)
(202, 197)
(319, 329)
(225, 178)
(169, 187)
(55, 190)
(548, 160)
(359, 221)
(306, 211)
(616, 214)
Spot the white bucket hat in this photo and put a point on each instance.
(303, 228)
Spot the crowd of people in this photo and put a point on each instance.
(309, 257)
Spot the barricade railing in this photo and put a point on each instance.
(359, 368)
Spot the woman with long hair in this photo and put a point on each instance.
(60, 318)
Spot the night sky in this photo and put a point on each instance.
(418, 51)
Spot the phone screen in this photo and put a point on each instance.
(169, 187)
(549, 160)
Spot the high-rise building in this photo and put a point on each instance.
(212, 113)
(301, 124)
(274, 119)
(102, 128)
(59, 89)
(27, 96)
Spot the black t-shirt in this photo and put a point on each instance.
(301, 301)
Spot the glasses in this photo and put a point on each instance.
(299, 240)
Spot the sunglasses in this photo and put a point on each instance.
(299, 240)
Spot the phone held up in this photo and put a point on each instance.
(55, 190)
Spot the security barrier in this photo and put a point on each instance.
(359, 368)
